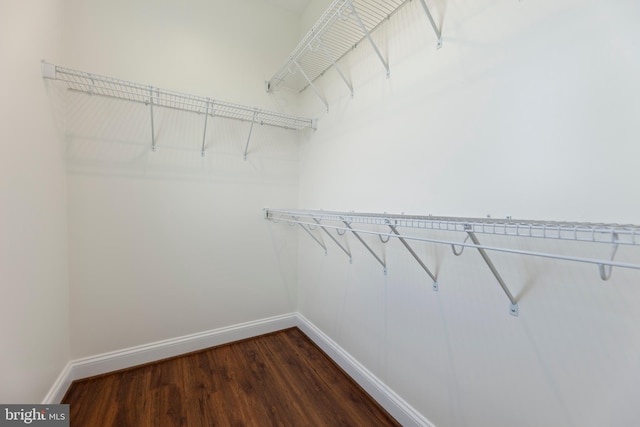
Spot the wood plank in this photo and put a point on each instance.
(279, 379)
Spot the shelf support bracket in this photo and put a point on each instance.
(514, 304)
(345, 250)
(206, 117)
(382, 263)
(368, 35)
(605, 273)
(335, 65)
(433, 23)
(315, 89)
(313, 237)
(416, 257)
(246, 147)
(153, 132)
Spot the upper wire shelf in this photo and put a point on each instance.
(95, 84)
(336, 32)
(344, 25)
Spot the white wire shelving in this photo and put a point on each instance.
(98, 85)
(387, 225)
(343, 26)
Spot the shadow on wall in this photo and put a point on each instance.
(114, 137)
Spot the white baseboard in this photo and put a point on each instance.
(133, 356)
(404, 413)
(60, 386)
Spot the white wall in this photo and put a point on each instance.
(530, 110)
(34, 327)
(311, 14)
(167, 243)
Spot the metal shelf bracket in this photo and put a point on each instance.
(355, 233)
(153, 133)
(606, 269)
(416, 257)
(206, 117)
(315, 89)
(433, 23)
(318, 241)
(335, 65)
(246, 147)
(368, 36)
(514, 304)
(514, 310)
(345, 250)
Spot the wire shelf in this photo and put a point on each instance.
(577, 231)
(336, 32)
(386, 227)
(94, 84)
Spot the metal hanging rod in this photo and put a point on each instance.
(342, 27)
(612, 234)
(94, 84)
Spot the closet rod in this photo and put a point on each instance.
(94, 84)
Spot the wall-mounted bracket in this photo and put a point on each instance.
(453, 247)
(514, 310)
(206, 117)
(246, 147)
(433, 23)
(345, 250)
(416, 257)
(514, 304)
(318, 241)
(315, 89)
(606, 269)
(335, 65)
(355, 233)
(368, 36)
(48, 70)
(153, 132)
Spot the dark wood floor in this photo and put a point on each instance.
(280, 379)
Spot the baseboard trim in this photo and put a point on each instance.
(60, 386)
(133, 356)
(138, 355)
(404, 413)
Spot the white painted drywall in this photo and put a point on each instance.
(34, 327)
(530, 109)
(169, 243)
(311, 14)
